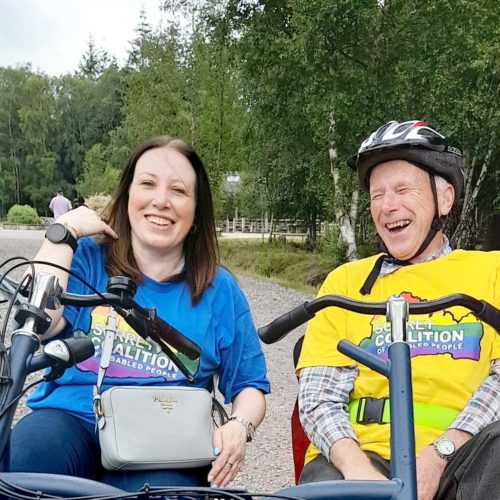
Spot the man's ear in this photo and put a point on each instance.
(446, 199)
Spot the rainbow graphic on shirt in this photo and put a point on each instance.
(132, 356)
(437, 333)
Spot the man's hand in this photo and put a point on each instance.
(352, 462)
(430, 468)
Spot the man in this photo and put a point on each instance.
(413, 178)
(59, 204)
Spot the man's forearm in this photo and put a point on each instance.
(323, 396)
(483, 408)
(352, 462)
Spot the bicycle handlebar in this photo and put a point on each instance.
(281, 326)
(46, 293)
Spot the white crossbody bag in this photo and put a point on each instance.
(153, 427)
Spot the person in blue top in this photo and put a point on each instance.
(159, 230)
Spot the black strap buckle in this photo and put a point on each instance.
(371, 411)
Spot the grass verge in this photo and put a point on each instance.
(287, 264)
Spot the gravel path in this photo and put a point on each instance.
(269, 465)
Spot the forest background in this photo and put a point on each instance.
(276, 94)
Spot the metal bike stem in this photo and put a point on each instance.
(25, 342)
(401, 403)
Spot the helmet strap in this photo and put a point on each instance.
(437, 222)
(436, 225)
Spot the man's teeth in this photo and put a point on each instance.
(399, 223)
(159, 220)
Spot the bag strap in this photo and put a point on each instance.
(217, 409)
(105, 360)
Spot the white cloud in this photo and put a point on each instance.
(53, 34)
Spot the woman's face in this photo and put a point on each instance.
(162, 201)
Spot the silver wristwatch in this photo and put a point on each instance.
(445, 448)
(249, 427)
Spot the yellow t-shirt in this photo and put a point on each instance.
(450, 350)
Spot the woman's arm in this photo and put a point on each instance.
(81, 222)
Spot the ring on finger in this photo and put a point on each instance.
(228, 464)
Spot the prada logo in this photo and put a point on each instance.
(166, 402)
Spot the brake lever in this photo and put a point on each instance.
(147, 324)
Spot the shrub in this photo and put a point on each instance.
(286, 263)
(98, 202)
(22, 214)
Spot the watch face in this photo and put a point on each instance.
(445, 446)
(56, 233)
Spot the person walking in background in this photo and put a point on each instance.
(59, 204)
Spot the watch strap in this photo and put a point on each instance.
(249, 427)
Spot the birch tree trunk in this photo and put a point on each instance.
(462, 235)
(346, 222)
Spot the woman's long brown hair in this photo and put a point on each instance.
(201, 251)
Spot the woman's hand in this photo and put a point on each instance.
(229, 444)
(85, 222)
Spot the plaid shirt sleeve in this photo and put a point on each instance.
(323, 397)
(483, 408)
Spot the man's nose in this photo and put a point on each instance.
(390, 202)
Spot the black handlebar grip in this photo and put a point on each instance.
(489, 314)
(278, 328)
(80, 348)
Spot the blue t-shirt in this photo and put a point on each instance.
(220, 323)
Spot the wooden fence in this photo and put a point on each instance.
(277, 226)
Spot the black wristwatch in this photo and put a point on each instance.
(59, 233)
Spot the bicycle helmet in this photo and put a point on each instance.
(415, 142)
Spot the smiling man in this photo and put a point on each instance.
(413, 177)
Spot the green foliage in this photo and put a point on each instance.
(22, 214)
(98, 173)
(332, 248)
(280, 91)
(286, 263)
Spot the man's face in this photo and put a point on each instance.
(402, 208)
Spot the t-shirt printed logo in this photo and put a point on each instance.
(132, 356)
(437, 333)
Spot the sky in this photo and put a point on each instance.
(54, 34)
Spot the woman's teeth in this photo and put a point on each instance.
(160, 221)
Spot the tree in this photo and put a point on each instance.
(98, 176)
(94, 61)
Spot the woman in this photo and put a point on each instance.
(159, 231)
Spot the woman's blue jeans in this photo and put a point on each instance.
(53, 441)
